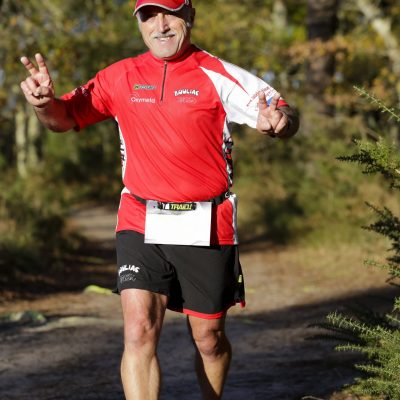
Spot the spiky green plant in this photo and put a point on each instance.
(375, 336)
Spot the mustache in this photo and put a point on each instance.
(163, 35)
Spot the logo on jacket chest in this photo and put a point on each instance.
(138, 86)
(187, 92)
(188, 96)
(142, 94)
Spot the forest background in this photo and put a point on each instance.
(291, 192)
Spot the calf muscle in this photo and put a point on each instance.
(143, 314)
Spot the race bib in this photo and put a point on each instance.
(178, 223)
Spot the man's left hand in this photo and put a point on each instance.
(271, 121)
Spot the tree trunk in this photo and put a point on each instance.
(321, 26)
(34, 145)
(383, 27)
(20, 140)
(27, 139)
(279, 15)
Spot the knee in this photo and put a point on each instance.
(210, 343)
(140, 333)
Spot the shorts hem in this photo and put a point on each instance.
(143, 287)
(197, 314)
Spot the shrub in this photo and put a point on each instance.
(376, 336)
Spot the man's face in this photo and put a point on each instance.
(165, 33)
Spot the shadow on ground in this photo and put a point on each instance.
(76, 353)
(93, 262)
(273, 358)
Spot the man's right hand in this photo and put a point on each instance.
(38, 88)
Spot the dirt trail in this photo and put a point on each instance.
(75, 354)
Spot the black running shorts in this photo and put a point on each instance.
(199, 281)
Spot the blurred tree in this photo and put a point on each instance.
(275, 39)
(322, 22)
(382, 23)
(77, 40)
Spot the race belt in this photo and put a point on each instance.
(184, 206)
(186, 223)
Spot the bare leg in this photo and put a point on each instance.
(213, 355)
(143, 314)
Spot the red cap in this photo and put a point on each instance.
(171, 5)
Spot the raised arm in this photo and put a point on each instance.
(39, 91)
(276, 121)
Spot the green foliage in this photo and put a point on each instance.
(373, 335)
(287, 189)
(34, 237)
(378, 103)
(378, 157)
(296, 188)
(77, 39)
(388, 225)
(381, 345)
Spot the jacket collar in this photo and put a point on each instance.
(186, 54)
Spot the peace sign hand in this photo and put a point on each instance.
(38, 88)
(271, 121)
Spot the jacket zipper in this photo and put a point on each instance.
(163, 81)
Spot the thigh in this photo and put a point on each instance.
(143, 313)
(142, 266)
(209, 280)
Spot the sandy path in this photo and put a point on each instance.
(75, 354)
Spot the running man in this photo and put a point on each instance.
(177, 244)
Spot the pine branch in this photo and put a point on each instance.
(380, 104)
(362, 329)
(392, 267)
(387, 225)
(367, 316)
(394, 321)
(377, 157)
(375, 336)
(377, 387)
(335, 338)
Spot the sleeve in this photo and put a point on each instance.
(90, 103)
(241, 103)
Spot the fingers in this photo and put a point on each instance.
(267, 127)
(282, 123)
(31, 67)
(41, 64)
(262, 101)
(273, 105)
(28, 93)
(273, 123)
(27, 88)
(270, 120)
(31, 84)
(38, 96)
(263, 104)
(33, 88)
(43, 91)
(278, 122)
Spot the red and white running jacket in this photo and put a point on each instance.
(174, 122)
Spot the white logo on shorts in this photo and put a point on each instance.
(131, 268)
